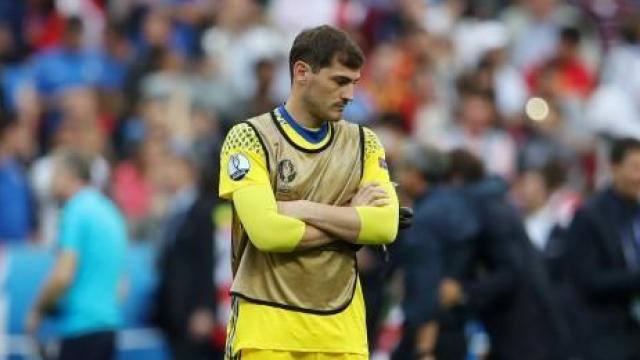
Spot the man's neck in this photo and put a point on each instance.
(623, 194)
(75, 189)
(297, 110)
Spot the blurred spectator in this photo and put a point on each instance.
(77, 131)
(621, 66)
(42, 25)
(610, 102)
(186, 298)
(42, 173)
(132, 185)
(541, 142)
(13, 43)
(386, 78)
(9, 52)
(430, 114)
(291, 18)
(609, 17)
(566, 70)
(548, 207)
(17, 207)
(473, 37)
(440, 240)
(83, 286)
(534, 27)
(150, 55)
(68, 65)
(506, 81)
(239, 40)
(477, 132)
(262, 100)
(116, 55)
(604, 256)
(505, 284)
(62, 68)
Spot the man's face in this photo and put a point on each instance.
(328, 91)
(533, 191)
(476, 114)
(73, 39)
(60, 182)
(626, 175)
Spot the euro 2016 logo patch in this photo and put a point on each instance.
(238, 167)
(286, 171)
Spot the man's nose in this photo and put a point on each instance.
(347, 92)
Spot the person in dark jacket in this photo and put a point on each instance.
(604, 258)
(186, 296)
(506, 286)
(441, 217)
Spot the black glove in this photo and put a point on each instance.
(406, 217)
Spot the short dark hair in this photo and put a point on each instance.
(318, 47)
(431, 163)
(74, 25)
(465, 166)
(570, 35)
(79, 164)
(554, 173)
(620, 148)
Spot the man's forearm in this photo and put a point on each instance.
(337, 221)
(313, 238)
(426, 338)
(49, 296)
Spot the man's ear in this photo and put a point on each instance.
(301, 71)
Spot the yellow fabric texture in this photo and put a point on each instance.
(252, 195)
(265, 327)
(291, 333)
(379, 225)
(268, 230)
(251, 354)
(242, 140)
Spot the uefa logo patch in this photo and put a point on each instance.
(238, 167)
(286, 171)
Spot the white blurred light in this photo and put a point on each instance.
(537, 109)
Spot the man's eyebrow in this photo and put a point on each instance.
(345, 78)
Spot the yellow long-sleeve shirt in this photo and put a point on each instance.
(256, 207)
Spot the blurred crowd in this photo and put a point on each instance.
(148, 88)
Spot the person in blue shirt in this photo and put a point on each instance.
(83, 286)
(17, 213)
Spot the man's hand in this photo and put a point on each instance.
(426, 339)
(370, 195)
(201, 323)
(32, 322)
(450, 293)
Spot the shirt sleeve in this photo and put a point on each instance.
(242, 161)
(70, 235)
(244, 178)
(379, 225)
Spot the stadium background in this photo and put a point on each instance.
(162, 77)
